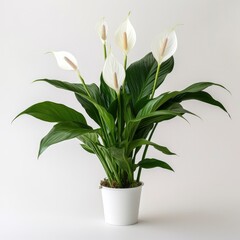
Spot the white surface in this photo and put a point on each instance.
(121, 206)
(57, 197)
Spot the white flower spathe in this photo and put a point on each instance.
(113, 73)
(164, 46)
(125, 36)
(66, 60)
(102, 29)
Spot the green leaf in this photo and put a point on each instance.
(107, 118)
(90, 109)
(128, 112)
(54, 112)
(108, 94)
(153, 104)
(197, 87)
(159, 116)
(119, 156)
(92, 136)
(79, 90)
(139, 142)
(61, 132)
(200, 96)
(113, 108)
(75, 87)
(148, 119)
(193, 92)
(177, 107)
(152, 163)
(143, 132)
(87, 148)
(92, 105)
(109, 97)
(141, 74)
(165, 100)
(90, 141)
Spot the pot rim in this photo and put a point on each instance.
(122, 189)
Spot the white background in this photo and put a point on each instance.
(57, 196)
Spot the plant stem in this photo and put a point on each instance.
(108, 167)
(105, 50)
(125, 67)
(108, 137)
(145, 152)
(84, 85)
(104, 164)
(114, 170)
(134, 156)
(154, 127)
(125, 62)
(119, 118)
(155, 81)
(130, 174)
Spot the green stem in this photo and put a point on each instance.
(114, 171)
(108, 137)
(104, 164)
(105, 50)
(130, 174)
(117, 177)
(105, 139)
(125, 62)
(145, 152)
(155, 81)
(134, 156)
(119, 118)
(84, 85)
(150, 136)
(125, 67)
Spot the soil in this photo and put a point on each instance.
(105, 183)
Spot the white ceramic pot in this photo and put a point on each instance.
(121, 205)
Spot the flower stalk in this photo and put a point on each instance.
(104, 38)
(155, 81)
(102, 29)
(105, 51)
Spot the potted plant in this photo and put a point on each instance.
(127, 111)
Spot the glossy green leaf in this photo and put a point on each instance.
(54, 112)
(200, 86)
(79, 90)
(119, 156)
(153, 104)
(160, 116)
(178, 108)
(87, 148)
(141, 74)
(200, 96)
(109, 97)
(90, 136)
(61, 132)
(152, 163)
(90, 109)
(113, 108)
(107, 118)
(91, 105)
(140, 142)
(157, 116)
(166, 99)
(108, 94)
(75, 87)
(143, 132)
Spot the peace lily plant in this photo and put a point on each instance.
(125, 106)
